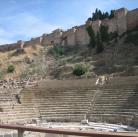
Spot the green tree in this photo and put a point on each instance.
(111, 14)
(91, 33)
(99, 44)
(102, 15)
(104, 33)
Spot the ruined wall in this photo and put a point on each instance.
(82, 37)
(132, 19)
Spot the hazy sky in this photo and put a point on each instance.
(23, 19)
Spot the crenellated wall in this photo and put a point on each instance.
(123, 21)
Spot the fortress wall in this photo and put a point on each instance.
(70, 37)
(96, 25)
(82, 37)
(9, 47)
(27, 43)
(13, 46)
(111, 23)
(132, 19)
(4, 48)
(53, 38)
(36, 41)
(47, 38)
(121, 20)
(57, 36)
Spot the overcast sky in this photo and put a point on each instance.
(24, 19)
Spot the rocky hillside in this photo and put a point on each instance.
(119, 57)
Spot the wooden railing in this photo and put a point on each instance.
(21, 130)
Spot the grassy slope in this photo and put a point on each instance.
(117, 57)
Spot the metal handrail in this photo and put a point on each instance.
(21, 129)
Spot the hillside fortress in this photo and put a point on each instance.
(123, 21)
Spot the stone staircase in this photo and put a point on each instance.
(62, 105)
(11, 111)
(72, 100)
(116, 102)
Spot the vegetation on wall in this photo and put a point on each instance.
(101, 15)
(92, 36)
(104, 33)
(99, 44)
(96, 41)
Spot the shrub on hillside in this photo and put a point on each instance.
(10, 69)
(79, 70)
(1, 75)
(56, 51)
(69, 49)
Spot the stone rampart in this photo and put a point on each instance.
(9, 47)
(96, 25)
(132, 19)
(52, 38)
(82, 37)
(111, 23)
(123, 21)
(69, 37)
